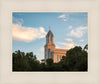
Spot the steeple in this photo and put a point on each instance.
(49, 37)
(49, 28)
(49, 33)
(49, 46)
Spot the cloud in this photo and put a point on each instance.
(27, 34)
(70, 27)
(42, 49)
(57, 46)
(82, 40)
(69, 39)
(78, 32)
(67, 45)
(64, 17)
(18, 21)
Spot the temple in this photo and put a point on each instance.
(50, 48)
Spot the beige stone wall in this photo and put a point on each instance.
(58, 53)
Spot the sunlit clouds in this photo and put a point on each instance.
(27, 34)
(67, 45)
(77, 32)
(69, 39)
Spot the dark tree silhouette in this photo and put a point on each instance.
(75, 60)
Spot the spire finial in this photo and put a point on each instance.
(49, 28)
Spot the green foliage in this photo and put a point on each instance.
(24, 62)
(86, 47)
(49, 61)
(75, 60)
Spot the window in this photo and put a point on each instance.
(51, 38)
(57, 58)
(60, 57)
(47, 40)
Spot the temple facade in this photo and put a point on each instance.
(50, 48)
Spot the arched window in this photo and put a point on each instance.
(47, 40)
(60, 57)
(57, 58)
(51, 39)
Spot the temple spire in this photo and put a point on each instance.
(49, 28)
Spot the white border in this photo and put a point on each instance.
(9, 77)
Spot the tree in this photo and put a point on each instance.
(75, 60)
(24, 62)
(86, 47)
(49, 61)
(49, 65)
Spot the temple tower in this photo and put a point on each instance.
(49, 46)
(51, 51)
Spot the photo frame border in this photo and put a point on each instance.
(9, 77)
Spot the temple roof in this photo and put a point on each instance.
(49, 33)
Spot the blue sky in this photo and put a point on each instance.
(29, 30)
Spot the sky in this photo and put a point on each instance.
(29, 30)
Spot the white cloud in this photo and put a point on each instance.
(18, 21)
(41, 49)
(78, 32)
(82, 40)
(67, 45)
(62, 16)
(69, 39)
(27, 34)
(70, 27)
(58, 46)
(64, 19)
